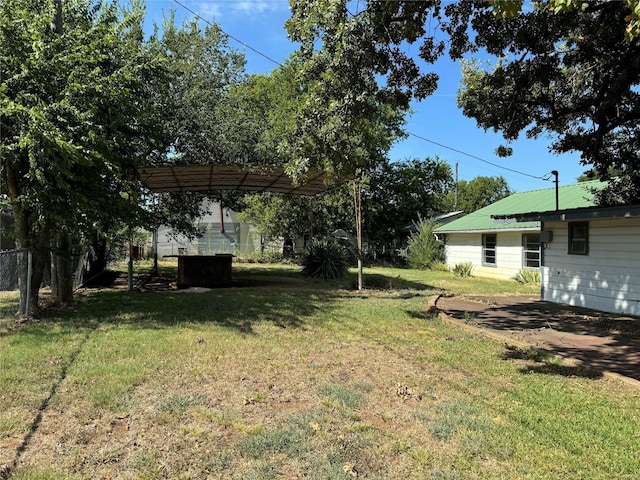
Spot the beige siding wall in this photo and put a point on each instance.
(606, 279)
(467, 247)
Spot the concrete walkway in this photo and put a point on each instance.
(600, 341)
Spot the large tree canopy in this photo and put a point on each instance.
(77, 110)
(573, 75)
(569, 69)
(354, 74)
(477, 193)
(84, 104)
(202, 122)
(400, 193)
(276, 102)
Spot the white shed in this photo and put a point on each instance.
(592, 258)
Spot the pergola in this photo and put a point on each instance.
(202, 178)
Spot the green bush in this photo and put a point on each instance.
(439, 267)
(528, 276)
(463, 269)
(325, 259)
(423, 249)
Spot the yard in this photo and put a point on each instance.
(282, 377)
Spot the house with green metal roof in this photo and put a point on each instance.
(501, 247)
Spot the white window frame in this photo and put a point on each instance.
(488, 249)
(527, 251)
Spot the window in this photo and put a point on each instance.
(489, 249)
(578, 238)
(531, 247)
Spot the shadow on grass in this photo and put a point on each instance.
(237, 309)
(546, 363)
(563, 371)
(7, 472)
(265, 294)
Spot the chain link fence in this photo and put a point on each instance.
(9, 274)
(9, 270)
(9, 295)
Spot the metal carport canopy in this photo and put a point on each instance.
(194, 178)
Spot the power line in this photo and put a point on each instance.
(476, 157)
(409, 133)
(228, 34)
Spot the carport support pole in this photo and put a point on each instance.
(130, 263)
(357, 195)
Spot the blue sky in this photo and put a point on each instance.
(259, 25)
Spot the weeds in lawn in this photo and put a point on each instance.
(289, 442)
(533, 354)
(178, 403)
(528, 276)
(456, 416)
(463, 269)
(342, 396)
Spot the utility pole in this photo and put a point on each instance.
(455, 202)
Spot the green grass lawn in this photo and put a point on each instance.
(292, 378)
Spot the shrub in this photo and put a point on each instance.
(439, 267)
(528, 276)
(463, 269)
(325, 259)
(423, 249)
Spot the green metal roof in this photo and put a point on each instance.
(569, 196)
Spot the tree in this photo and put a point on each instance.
(477, 193)
(573, 76)
(205, 126)
(510, 8)
(203, 123)
(399, 193)
(568, 68)
(77, 112)
(356, 82)
(423, 249)
(275, 102)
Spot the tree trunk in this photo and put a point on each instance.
(30, 288)
(62, 268)
(98, 261)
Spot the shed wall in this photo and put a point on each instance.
(607, 279)
(238, 238)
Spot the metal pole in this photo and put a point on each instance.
(29, 273)
(555, 173)
(221, 215)
(455, 203)
(130, 266)
(357, 196)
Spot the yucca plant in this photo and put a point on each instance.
(528, 276)
(325, 259)
(463, 269)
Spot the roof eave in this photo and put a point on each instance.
(584, 213)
